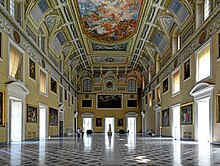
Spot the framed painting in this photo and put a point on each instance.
(187, 69)
(32, 69)
(53, 84)
(1, 108)
(99, 122)
(53, 116)
(186, 114)
(218, 109)
(86, 103)
(31, 114)
(165, 85)
(165, 118)
(131, 103)
(109, 101)
(120, 122)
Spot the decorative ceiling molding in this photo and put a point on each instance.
(104, 47)
(108, 60)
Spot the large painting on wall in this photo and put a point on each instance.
(53, 116)
(1, 107)
(31, 114)
(187, 114)
(109, 21)
(109, 101)
(165, 118)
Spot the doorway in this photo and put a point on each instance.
(16, 120)
(203, 106)
(43, 122)
(87, 124)
(176, 122)
(110, 122)
(131, 125)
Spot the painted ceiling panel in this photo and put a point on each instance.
(160, 41)
(109, 20)
(181, 12)
(39, 10)
(50, 22)
(110, 60)
(168, 22)
(56, 44)
(104, 47)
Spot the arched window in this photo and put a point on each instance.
(207, 9)
(87, 85)
(131, 85)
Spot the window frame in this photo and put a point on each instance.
(85, 79)
(206, 11)
(45, 72)
(208, 43)
(18, 48)
(150, 99)
(131, 88)
(172, 81)
(12, 8)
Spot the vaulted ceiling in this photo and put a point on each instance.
(108, 34)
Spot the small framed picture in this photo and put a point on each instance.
(165, 85)
(32, 69)
(99, 122)
(120, 122)
(31, 114)
(187, 69)
(165, 118)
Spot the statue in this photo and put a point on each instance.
(109, 130)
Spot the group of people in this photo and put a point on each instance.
(80, 131)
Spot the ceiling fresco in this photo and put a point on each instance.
(109, 20)
(110, 34)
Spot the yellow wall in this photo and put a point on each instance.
(184, 97)
(102, 113)
(33, 99)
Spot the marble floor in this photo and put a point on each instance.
(117, 150)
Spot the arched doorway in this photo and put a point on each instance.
(87, 119)
(62, 108)
(16, 97)
(203, 97)
(131, 122)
